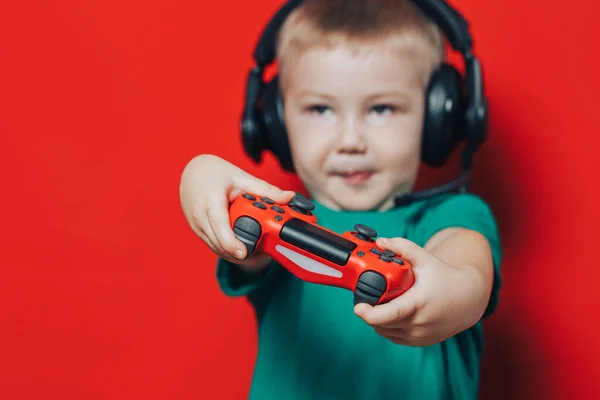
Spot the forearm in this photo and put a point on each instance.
(468, 252)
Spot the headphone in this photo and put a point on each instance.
(456, 109)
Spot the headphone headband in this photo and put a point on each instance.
(264, 53)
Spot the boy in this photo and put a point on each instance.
(354, 105)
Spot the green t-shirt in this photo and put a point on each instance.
(311, 344)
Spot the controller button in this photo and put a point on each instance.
(385, 259)
(364, 232)
(278, 209)
(248, 196)
(360, 253)
(375, 250)
(301, 205)
(278, 218)
(260, 205)
(398, 261)
(389, 253)
(267, 200)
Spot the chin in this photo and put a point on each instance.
(355, 198)
(363, 202)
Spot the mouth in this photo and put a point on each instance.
(355, 177)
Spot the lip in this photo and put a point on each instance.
(358, 177)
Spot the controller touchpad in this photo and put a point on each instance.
(317, 241)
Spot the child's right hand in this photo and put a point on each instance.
(208, 185)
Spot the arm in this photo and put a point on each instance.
(457, 276)
(468, 250)
(208, 185)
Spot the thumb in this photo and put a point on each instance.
(410, 251)
(403, 306)
(260, 187)
(395, 311)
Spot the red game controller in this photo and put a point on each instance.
(291, 236)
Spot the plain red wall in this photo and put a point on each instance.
(105, 292)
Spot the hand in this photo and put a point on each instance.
(208, 185)
(444, 301)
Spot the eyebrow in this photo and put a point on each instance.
(306, 93)
(393, 93)
(404, 96)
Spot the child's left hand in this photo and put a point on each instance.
(444, 301)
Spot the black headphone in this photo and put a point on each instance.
(456, 108)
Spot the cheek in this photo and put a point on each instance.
(401, 146)
(399, 156)
(308, 143)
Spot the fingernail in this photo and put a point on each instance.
(239, 254)
(358, 309)
(384, 241)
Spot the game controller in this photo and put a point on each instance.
(291, 236)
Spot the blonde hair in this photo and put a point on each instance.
(358, 22)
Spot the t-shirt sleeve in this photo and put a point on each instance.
(471, 212)
(234, 281)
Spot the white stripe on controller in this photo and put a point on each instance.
(308, 263)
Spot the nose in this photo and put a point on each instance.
(351, 136)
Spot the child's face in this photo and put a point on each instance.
(354, 121)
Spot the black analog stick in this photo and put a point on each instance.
(364, 232)
(301, 205)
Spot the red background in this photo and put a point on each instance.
(105, 292)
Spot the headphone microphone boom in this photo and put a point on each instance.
(456, 108)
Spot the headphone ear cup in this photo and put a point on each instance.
(252, 132)
(273, 118)
(442, 122)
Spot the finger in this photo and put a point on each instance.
(395, 311)
(397, 333)
(249, 183)
(220, 225)
(397, 337)
(208, 242)
(405, 248)
(403, 323)
(225, 256)
(202, 222)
